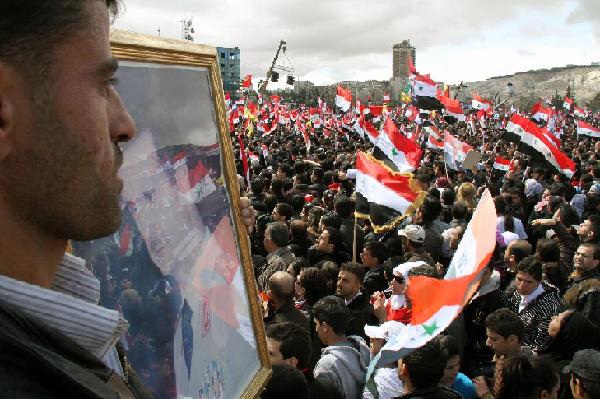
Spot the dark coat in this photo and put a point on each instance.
(432, 393)
(288, 312)
(37, 361)
(583, 294)
(361, 311)
(374, 280)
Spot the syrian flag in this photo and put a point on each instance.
(454, 150)
(453, 111)
(382, 195)
(540, 112)
(343, 99)
(502, 164)
(247, 82)
(586, 129)
(386, 97)
(424, 86)
(411, 66)
(244, 159)
(480, 103)
(435, 303)
(434, 144)
(530, 135)
(394, 149)
(227, 99)
(579, 112)
(568, 103)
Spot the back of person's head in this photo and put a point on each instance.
(333, 311)
(377, 250)
(355, 268)
(270, 201)
(284, 209)
(294, 341)
(297, 202)
(528, 378)
(281, 285)
(258, 185)
(449, 346)
(520, 249)
(331, 219)
(431, 209)
(548, 250)
(532, 266)
(276, 186)
(278, 233)
(568, 215)
(298, 264)
(314, 283)
(503, 209)
(425, 365)
(505, 323)
(344, 206)
(330, 271)
(298, 229)
(448, 196)
(460, 210)
(286, 382)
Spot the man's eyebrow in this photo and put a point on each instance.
(108, 67)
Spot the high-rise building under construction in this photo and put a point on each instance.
(402, 52)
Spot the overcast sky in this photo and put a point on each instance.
(330, 40)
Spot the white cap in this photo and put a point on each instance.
(384, 331)
(403, 268)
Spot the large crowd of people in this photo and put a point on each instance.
(336, 287)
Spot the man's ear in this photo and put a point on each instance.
(7, 109)
(402, 370)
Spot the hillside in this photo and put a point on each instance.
(530, 85)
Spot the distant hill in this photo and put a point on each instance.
(531, 85)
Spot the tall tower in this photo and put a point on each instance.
(400, 59)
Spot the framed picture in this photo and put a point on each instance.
(179, 268)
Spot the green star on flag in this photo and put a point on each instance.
(430, 329)
(394, 152)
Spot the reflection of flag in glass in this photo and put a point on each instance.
(187, 335)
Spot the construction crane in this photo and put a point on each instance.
(272, 73)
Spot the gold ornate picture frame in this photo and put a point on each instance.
(180, 268)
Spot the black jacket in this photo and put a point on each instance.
(432, 393)
(374, 280)
(37, 361)
(361, 311)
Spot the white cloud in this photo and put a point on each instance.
(332, 40)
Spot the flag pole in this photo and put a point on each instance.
(354, 239)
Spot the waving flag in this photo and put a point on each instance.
(568, 103)
(411, 66)
(579, 112)
(396, 150)
(343, 98)
(435, 144)
(454, 150)
(424, 86)
(247, 82)
(502, 164)
(480, 103)
(382, 195)
(433, 313)
(586, 129)
(453, 111)
(540, 112)
(529, 134)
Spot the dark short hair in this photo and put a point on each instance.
(284, 209)
(525, 377)
(505, 323)
(337, 239)
(532, 266)
(30, 30)
(520, 249)
(460, 210)
(377, 250)
(286, 381)
(449, 346)
(278, 232)
(595, 248)
(355, 268)
(548, 250)
(331, 219)
(424, 270)
(333, 311)
(425, 365)
(295, 341)
(344, 206)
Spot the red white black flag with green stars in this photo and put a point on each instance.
(436, 303)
